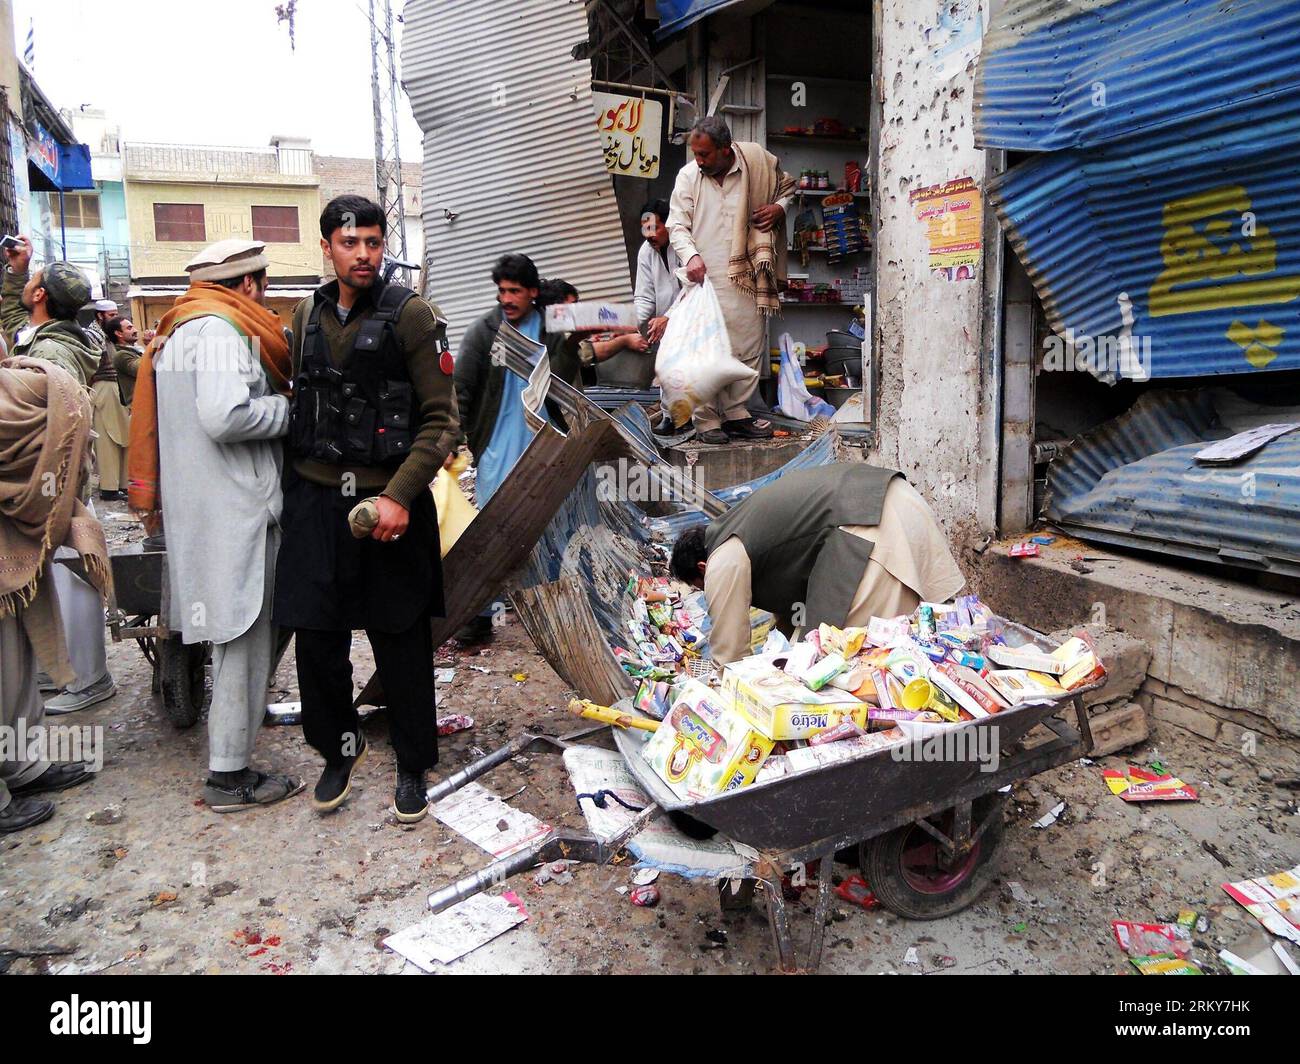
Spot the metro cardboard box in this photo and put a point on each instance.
(703, 747)
(781, 707)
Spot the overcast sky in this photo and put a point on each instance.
(214, 73)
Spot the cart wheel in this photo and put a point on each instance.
(181, 679)
(905, 873)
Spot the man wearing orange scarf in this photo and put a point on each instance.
(209, 410)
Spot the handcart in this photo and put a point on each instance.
(927, 832)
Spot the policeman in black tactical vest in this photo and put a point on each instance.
(373, 414)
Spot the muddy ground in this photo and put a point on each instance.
(133, 874)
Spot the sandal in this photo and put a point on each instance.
(263, 789)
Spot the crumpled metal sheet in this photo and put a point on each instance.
(1057, 74)
(1135, 482)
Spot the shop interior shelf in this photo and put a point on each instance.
(851, 82)
(814, 138)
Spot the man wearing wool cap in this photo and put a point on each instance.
(214, 386)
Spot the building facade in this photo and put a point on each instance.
(180, 198)
(341, 175)
(95, 221)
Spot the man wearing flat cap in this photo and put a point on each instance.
(38, 311)
(208, 412)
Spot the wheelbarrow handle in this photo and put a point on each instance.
(475, 769)
(492, 876)
(520, 744)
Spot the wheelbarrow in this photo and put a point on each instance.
(926, 833)
(138, 610)
(141, 591)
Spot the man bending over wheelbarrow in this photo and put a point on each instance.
(839, 544)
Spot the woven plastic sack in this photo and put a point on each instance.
(793, 399)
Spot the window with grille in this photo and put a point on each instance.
(179, 222)
(275, 225)
(80, 209)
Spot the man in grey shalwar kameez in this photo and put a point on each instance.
(219, 426)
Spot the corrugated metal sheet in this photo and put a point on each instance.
(676, 15)
(1134, 482)
(510, 148)
(1076, 73)
(1199, 237)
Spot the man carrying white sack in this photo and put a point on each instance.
(837, 545)
(726, 220)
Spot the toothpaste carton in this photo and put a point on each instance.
(1020, 687)
(1027, 657)
(781, 707)
(1082, 666)
(590, 316)
(704, 748)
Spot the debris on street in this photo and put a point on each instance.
(447, 936)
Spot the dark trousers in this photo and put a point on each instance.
(405, 664)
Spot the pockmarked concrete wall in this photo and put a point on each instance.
(931, 358)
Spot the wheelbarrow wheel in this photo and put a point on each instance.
(181, 679)
(905, 868)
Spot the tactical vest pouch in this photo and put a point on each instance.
(315, 418)
(395, 404)
(358, 426)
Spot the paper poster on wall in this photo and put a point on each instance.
(956, 38)
(630, 129)
(953, 214)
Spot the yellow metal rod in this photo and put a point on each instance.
(610, 716)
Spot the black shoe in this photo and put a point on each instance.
(24, 813)
(112, 496)
(335, 783)
(476, 633)
(410, 805)
(54, 778)
(713, 436)
(748, 429)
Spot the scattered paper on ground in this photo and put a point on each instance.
(1142, 785)
(484, 819)
(449, 935)
(1273, 900)
(1049, 818)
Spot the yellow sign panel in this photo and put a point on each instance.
(630, 130)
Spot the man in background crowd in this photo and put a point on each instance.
(38, 312)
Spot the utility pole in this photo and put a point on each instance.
(388, 156)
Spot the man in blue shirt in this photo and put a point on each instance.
(489, 397)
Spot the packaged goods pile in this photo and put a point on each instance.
(837, 693)
(669, 635)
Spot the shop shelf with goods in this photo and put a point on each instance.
(818, 99)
